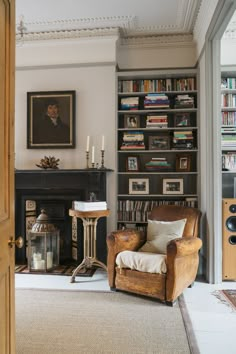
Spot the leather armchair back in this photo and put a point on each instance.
(174, 212)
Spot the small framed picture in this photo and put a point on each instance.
(161, 142)
(131, 121)
(183, 163)
(138, 186)
(132, 163)
(173, 186)
(182, 120)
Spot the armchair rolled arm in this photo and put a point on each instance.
(182, 265)
(121, 240)
(184, 246)
(128, 239)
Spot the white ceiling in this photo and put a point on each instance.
(131, 17)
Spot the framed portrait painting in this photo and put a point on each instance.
(50, 119)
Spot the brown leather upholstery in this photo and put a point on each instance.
(182, 257)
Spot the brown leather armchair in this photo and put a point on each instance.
(182, 257)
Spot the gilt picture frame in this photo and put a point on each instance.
(51, 119)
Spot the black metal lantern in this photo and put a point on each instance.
(43, 245)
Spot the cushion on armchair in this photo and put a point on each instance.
(142, 261)
(160, 233)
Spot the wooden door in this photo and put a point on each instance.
(7, 65)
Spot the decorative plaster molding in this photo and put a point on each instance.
(155, 40)
(126, 26)
(67, 34)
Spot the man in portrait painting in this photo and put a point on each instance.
(49, 128)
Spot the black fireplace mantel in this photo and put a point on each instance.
(57, 189)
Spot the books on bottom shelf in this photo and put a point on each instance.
(89, 206)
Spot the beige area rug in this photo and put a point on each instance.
(83, 322)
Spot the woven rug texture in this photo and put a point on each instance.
(83, 322)
(59, 270)
(227, 297)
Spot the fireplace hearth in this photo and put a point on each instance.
(54, 191)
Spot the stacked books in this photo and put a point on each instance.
(129, 103)
(89, 206)
(184, 101)
(156, 100)
(158, 164)
(228, 137)
(183, 139)
(157, 121)
(133, 140)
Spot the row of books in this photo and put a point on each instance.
(133, 140)
(228, 83)
(139, 210)
(181, 139)
(157, 121)
(157, 101)
(157, 85)
(228, 100)
(184, 101)
(228, 118)
(158, 164)
(228, 137)
(229, 161)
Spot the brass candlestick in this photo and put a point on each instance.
(102, 159)
(87, 159)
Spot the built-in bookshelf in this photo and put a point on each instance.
(157, 143)
(228, 132)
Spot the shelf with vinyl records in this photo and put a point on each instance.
(157, 142)
(228, 132)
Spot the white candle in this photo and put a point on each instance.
(49, 260)
(92, 154)
(103, 143)
(87, 146)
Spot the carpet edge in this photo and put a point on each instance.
(192, 340)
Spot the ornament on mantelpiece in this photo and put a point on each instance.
(49, 162)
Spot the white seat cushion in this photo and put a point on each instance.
(142, 261)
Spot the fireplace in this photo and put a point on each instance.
(54, 191)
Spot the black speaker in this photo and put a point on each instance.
(229, 238)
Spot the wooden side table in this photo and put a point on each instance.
(90, 219)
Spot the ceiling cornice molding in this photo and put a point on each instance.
(81, 24)
(67, 34)
(183, 40)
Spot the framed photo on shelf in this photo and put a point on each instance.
(183, 163)
(132, 163)
(173, 186)
(138, 186)
(131, 121)
(182, 120)
(159, 142)
(51, 119)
